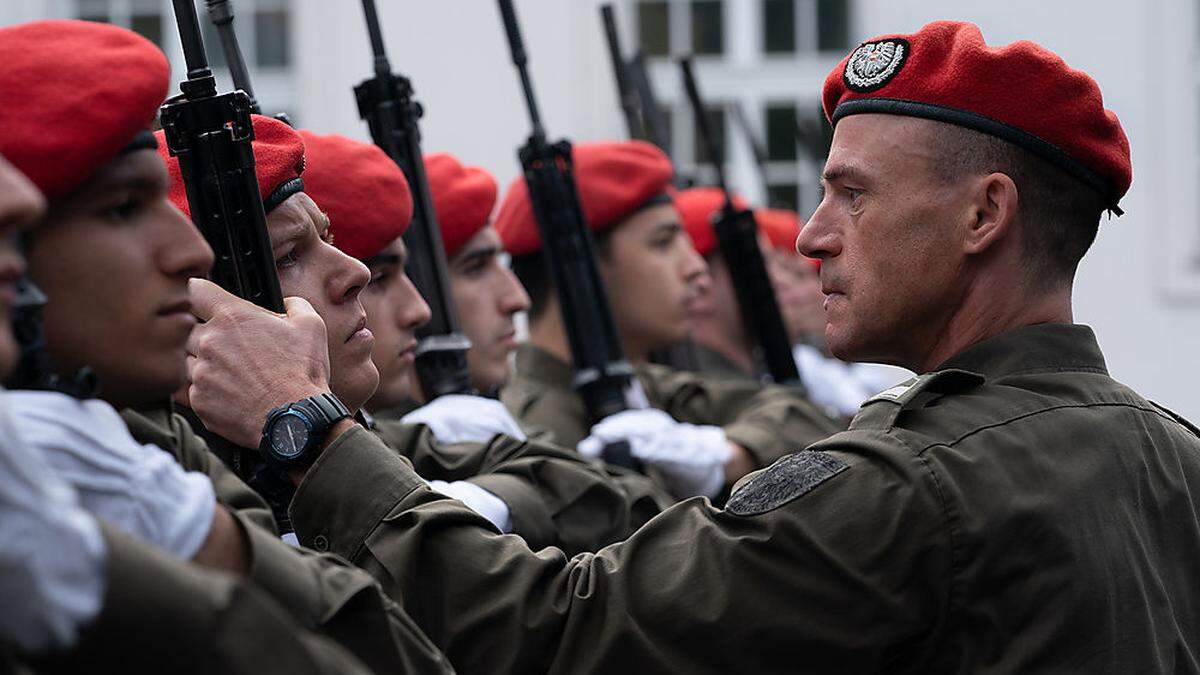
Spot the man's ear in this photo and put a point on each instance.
(993, 213)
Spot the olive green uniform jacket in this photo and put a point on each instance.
(320, 591)
(162, 615)
(769, 421)
(1015, 511)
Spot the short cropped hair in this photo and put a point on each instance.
(1059, 214)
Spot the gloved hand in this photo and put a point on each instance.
(137, 488)
(53, 558)
(456, 418)
(690, 457)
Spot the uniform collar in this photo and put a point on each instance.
(535, 363)
(1048, 347)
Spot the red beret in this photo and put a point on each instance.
(362, 191)
(73, 94)
(1022, 93)
(697, 208)
(614, 179)
(781, 227)
(463, 197)
(278, 161)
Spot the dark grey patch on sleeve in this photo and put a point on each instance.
(788, 478)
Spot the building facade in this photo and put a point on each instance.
(761, 62)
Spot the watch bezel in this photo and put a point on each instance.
(277, 424)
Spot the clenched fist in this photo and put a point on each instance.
(244, 360)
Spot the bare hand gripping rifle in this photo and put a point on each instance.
(603, 378)
(211, 134)
(386, 102)
(737, 237)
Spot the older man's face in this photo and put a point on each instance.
(888, 232)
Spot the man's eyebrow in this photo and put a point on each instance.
(384, 259)
(668, 225)
(840, 172)
(477, 254)
(291, 232)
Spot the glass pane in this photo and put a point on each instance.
(93, 10)
(271, 39)
(833, 25)
(779, 26)
(148, 26)
(716, 123)
(654, 28)
(783, 196)
(708, 27)
(781, 132)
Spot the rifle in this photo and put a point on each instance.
(737, 238)
(211, 135)
(33, 369)
(220, 12)
(386, 102)
(603, 378)
(756, 146)
(626, 96)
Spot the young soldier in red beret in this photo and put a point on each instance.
(702, 433)
(114, 257)
(479, 457)
(486, 292)
(1013, 509)
(722, 345)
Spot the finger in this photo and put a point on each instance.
(191, 366)
(208, 297)
(296, 306)
(192, 346)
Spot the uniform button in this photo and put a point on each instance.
(321, 542)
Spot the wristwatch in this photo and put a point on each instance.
(294, 432)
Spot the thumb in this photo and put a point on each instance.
(295, 307)
(207, 297)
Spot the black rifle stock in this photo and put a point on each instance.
(603, 378)
(211, 136)
(737, 238)
(386, 102)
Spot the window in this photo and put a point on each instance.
(833, 25)
(781, 132)
(272, 48)
(654, 34)
(708, 27)
(783, 196)
(149, 25)
(779, 26)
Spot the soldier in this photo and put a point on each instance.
(114, 256)
(839, 387)
(722, 345)
(714, 430)
(547, 495)
(1012, 509)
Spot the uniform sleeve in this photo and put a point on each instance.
(829, 571)
(321, 592)
(558, 413)
(163, 615)
(555, 497)
(769, 421)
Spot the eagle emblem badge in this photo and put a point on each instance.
(874, 64)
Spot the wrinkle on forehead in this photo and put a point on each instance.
(886, 148)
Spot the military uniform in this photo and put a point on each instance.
(319, 590)
(1017, 510)
(768, 421)
(163, 615)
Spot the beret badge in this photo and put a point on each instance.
(874, 64)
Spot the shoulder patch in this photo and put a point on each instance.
(788, 478)
(881, 410)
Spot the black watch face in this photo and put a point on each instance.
(289, 436)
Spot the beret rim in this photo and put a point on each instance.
(281, 194)
(987, 125)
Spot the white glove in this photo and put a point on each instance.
(690, 457)
(53, 557)
(455, 418)
(137, 488)
(478, 500)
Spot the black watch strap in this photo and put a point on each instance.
(327, 408)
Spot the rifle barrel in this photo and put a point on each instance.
(376, 36)
(517, 46)
(220, 12)
(190, 38)
(702, 123)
